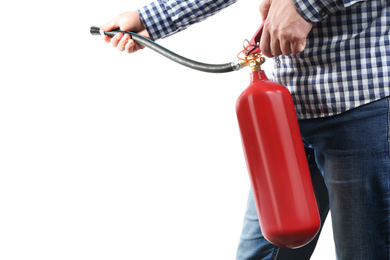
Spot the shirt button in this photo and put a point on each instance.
(323, 13)
(277, 61)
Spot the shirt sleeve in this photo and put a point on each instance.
(163, 18)
(318, 10)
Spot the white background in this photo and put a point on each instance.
(106, 155)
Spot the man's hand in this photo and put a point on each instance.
(128, 21)
(285, 30)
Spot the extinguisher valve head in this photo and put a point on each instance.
(255, 62)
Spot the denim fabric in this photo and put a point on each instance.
(348, 155)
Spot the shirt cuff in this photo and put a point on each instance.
(157, 20)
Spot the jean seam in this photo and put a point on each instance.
(388, 153)
(275, 253)
(388, 121)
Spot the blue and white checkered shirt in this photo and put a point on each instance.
(346, 62)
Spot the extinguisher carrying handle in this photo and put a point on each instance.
(213, 68)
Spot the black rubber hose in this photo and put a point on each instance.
(213, 68)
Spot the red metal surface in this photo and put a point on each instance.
(277, 164)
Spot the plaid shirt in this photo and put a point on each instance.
(346, 62)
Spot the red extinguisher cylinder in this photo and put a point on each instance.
(277, 164)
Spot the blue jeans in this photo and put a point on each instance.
(348, 156)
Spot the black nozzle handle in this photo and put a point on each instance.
(97, 31)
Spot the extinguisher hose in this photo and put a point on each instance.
(212, 68)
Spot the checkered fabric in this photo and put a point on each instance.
(346, 62)
(166, 17)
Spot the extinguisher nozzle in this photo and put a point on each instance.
(96, 30)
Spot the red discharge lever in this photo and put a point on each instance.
(254, 42)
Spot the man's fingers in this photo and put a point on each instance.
(275, 47)
(123, 42)
(298, 47)
(116, 39)
(285, 48)
(265, 42)
(279, 43)
(107, 38)
(129, 47)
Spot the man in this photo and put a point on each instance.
(334, 57)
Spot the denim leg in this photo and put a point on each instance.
(322, 198)
(352, 151)
(253, 246)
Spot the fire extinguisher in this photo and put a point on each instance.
(277, 164)
(276, 159)
(273, 148)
